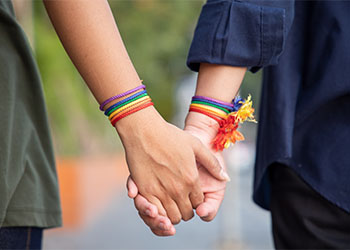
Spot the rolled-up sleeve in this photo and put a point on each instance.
(241, 33)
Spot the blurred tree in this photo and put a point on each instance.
(157, 35)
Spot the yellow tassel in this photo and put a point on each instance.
(246, 112)
(227, 133)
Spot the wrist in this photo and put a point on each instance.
(133, 125)
(227, 115)
(202, 123)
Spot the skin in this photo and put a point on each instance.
(219, 82)
(164, 171)
(212, 188)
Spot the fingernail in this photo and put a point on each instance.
(225, 175)
(206, 215)
(148, 212)
(162, 226)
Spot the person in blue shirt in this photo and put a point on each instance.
(302, 168)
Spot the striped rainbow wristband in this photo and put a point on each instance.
(131, 104)
(228, 115)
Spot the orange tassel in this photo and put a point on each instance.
(227, 133)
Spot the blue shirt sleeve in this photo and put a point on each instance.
(241, 33)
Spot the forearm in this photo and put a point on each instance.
(91, 38)
(220, 82)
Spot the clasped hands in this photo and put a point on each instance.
(173, 171)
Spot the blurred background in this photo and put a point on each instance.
(97, 213)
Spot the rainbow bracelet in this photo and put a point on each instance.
(125, 101)
(228, 115)
(121, 95)
(213, 102)
(214, 111)
(127, 106)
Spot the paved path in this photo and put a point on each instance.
(239, 225)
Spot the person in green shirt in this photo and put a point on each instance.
(165, 173)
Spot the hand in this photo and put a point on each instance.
(205, 129)
(162, 162)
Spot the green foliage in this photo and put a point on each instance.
(157, 34)
(70, 106)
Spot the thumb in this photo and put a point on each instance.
(132, 188)
(207, 159)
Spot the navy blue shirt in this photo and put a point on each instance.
(304, 48)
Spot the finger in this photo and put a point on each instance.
(209, 208)
(185, 207)
(132, 188)
(145, 207)
(160, 223)
(209, 161)
(206, 212)
(196, 198)
(186, 202)
(164, 233)
(155, 201)
(172, 211)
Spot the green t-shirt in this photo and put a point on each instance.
(28, 181)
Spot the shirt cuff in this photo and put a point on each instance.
(238, 34)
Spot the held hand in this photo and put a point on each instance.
(160, 225)
(162, 162)
(205, 129)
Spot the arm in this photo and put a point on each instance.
(245, 33)
(91, 38)
(165, 172)
(219, 81)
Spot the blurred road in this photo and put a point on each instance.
(239, 225)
